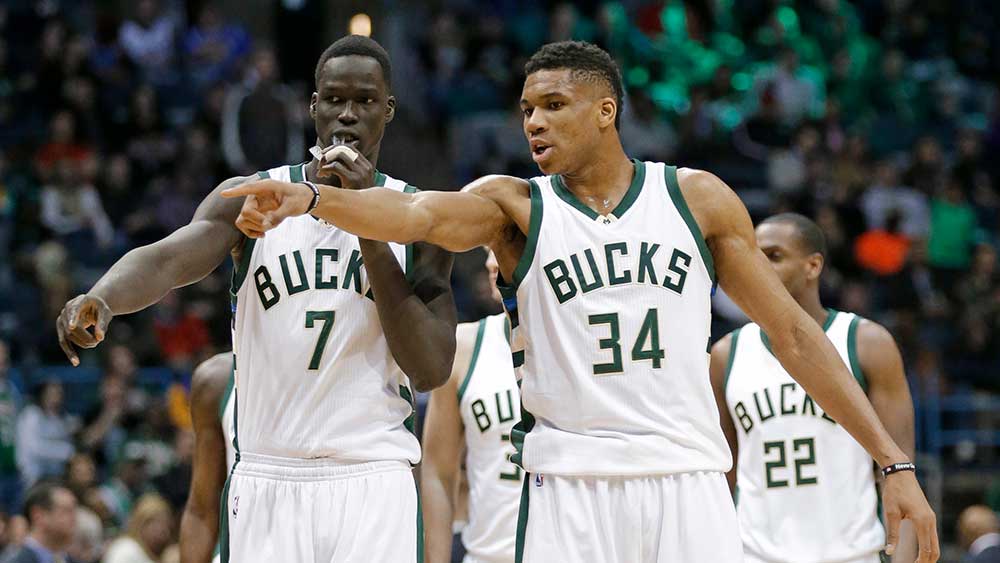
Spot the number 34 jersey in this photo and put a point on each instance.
(314, 374)
(806, 488)
(613, 323)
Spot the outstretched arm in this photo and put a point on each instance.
(200, 521)
(801, 346)
(455, 221)
(144, 275)
(889, 394)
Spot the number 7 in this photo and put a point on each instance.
(326, 317)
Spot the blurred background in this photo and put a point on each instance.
(875, 117)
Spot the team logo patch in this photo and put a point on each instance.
(236, 505)
(539, 479)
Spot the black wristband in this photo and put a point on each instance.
(315, 190)
(897, 467)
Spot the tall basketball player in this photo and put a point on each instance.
(212, 412)
(612, 262)
(805, 489)
(330, 333)
(474, 413)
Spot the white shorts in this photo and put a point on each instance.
(319, 511)
(683, 518)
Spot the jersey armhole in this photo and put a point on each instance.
(475, 357)
(408, 268)
(241, 267)
(530, 245)
(852, 353)
(731, 359)
(229, 390)
(674, 189)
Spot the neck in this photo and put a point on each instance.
(812, 306)
(45, 542)
(606, 177)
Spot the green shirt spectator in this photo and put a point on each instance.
(953, 230)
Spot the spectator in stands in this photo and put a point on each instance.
(182, 335)
(883, 250)
(214, 48)
(120, 492)
(62, 145)
(952, 235)
(926, 171)
(44, 435)
(149, 40)
(81, 475)
(887, 195)
(103, 431)
(88, 542)
(797, 97)
(51, 512)
(150, 532)
(261, 123)
(10, 406)
(173, 484)
(979, 535)
(72, 209)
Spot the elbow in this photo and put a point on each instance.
(430, 378)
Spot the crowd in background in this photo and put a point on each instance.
(875, 117)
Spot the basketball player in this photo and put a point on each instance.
(612, 263)
(325, 327)
(212, 409)
(474, 412)
(805, 489)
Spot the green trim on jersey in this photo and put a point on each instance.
(534, 227)
(638, 178)
(506, 328)
(228, 392)
(297, 174)
(224, 522)
(379, 179)
(411, 421)
(852, 353)
(522, 521)
(241, 269)
(732, 356)
(420, 525)
(520, 431)
(674, 189)
(475, 356)
(831, 314)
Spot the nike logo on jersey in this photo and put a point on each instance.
(589, 270)
(790, 401)
(328, 272)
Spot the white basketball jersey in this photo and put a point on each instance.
(314, 374)
(490, 407)
(806, 488)
(613, 330)
(227, 418)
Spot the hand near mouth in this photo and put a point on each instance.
(348, 165)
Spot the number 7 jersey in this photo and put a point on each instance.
(805, 488)
(314, 374)
(611, 318)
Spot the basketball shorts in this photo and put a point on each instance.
(319, 511)
(682, 518)
(873, 558)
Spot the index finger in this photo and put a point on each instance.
(64, 343)
(251, 188)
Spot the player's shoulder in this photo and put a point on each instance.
(211, 377)
(724, 345)
(499, 187)
(869, 334)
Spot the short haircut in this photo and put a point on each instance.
(810, 235)
(357, 45)
(586, 61)
(40, 496)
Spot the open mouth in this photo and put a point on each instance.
(539, 151)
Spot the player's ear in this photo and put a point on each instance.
(608, 111)
(815, 264)
(390, 108)
(312, 105)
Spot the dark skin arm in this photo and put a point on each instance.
(889, 394)
(443, 442)
(200, 521)
(144, 275)
(418, 314)
(717, 372)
